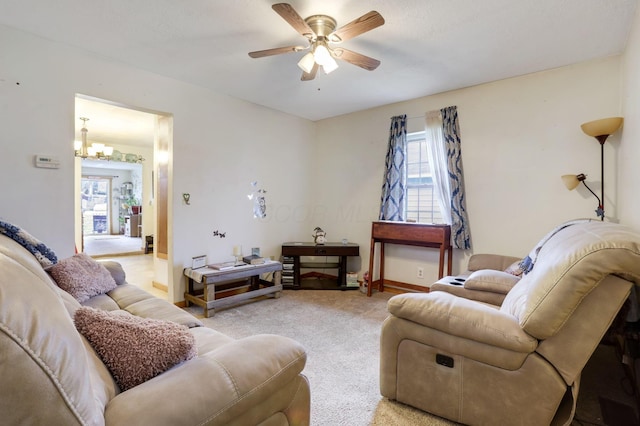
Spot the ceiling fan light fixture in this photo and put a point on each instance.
(322, 55)
(321, 33)
(330, 65)
(307, 62)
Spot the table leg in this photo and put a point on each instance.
(296, 271)
(381, 284)
(189, 290)
(372, 253)
(342, 272)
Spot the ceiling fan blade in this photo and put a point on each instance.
(276, 51)
(356, 59)
(310, 75)
(365, 23)
(291, 16)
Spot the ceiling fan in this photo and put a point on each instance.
(322, 36)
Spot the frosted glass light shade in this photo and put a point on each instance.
(97, 147)
(570, 181)
(330, 65)
(605, 126)
(108, 151)
(322, 55)
(306, 63)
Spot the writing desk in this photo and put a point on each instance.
(412, 234)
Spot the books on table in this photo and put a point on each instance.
(225, 266)
(253, 260)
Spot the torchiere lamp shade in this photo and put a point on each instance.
(602, 127)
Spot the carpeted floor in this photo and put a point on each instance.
(340, 331)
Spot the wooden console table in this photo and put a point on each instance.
(213, 280)
(295, 250)
(412, 234)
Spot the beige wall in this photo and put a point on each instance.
(629, 153)
(220, 145)
(518, 137)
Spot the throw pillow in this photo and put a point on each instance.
(515, 269)
(82, 277)
(491, 280)
(44, 254)
(134, 349)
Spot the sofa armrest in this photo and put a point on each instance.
(463, 318)
(491, 280)
(220, 386)
(116, 271)
(491, 261)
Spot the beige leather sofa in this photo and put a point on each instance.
(50, 375)
(519, 363)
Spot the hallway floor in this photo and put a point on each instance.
(139, 271)
(102, 245)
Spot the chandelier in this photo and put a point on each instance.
(95, 151)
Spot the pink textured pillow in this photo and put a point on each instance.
(134, 349)
(82, 277)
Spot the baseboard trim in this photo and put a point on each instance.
(400, 287)
(128, 253)
(160, 286)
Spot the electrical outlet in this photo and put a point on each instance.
(420, 272)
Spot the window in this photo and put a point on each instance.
(421, 199)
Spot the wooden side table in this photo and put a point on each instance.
(413, 234)
(210, 297)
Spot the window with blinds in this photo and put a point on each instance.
(420, 198)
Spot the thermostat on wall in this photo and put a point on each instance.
(47, 161)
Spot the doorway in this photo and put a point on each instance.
(114, 183)
(129, 137)
(111, 194)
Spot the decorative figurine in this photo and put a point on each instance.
(319, 236)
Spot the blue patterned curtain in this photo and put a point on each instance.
(459, 221)
(395, 179)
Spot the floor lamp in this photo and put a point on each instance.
(601, 130)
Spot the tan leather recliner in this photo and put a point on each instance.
(485, 279)
(520, 363)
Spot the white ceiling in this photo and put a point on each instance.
(425, 46)
(113, 124)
